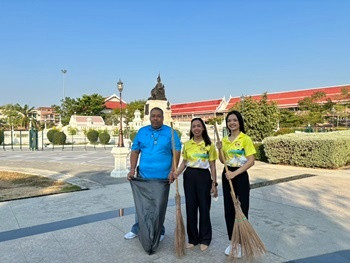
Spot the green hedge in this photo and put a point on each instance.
(323, 150)
(92, 136)
(59, 138)
(50, 134)
(260, 152)
(104, 137)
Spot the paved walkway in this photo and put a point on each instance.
(301, 214)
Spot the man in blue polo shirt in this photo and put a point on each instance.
(154, 144)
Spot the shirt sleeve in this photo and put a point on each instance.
(177, 142)
(249, 147)
(136, 143)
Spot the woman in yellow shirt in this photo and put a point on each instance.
(239, 151)
(199, 156)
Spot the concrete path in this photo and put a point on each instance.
(301, 214)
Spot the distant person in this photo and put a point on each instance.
(199, 156)
(153, 143)
(239, 151)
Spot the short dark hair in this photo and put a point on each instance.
(204, 134)
(240, 121)
(158, 109)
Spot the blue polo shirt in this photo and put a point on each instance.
(155, 150)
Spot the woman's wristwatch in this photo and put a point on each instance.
(215, 183)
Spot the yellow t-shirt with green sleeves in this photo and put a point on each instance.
(198, 155)
(236, 152)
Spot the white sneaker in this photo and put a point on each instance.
(161, 238)
(236, 253)
(130, 235)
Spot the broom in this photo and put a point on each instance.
(243, 232)
(179, 228)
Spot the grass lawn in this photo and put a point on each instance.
(18, 185)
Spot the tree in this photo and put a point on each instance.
(87, 105)
(260, 117)
(312, 108)
(289, 119)
(27, 113)
(133, 106)
(104, 137)
(1, 136)
(92, 136)
(50, 134)
(90, 105)
(13, 117)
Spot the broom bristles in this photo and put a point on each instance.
(244, 234)
(179, 229)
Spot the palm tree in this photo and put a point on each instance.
(27, 114)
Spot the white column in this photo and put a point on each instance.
(120, 161)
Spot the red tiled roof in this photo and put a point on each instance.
(290, 99)
(114, 105)
(208, 106)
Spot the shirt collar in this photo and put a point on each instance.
(152, 129)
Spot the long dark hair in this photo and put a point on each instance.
(239, 118)
(204, 133)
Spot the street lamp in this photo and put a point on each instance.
(64, 71)
(120, 89)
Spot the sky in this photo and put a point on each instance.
(202, 49)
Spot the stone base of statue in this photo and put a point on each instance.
(163, 104)
(121, 155)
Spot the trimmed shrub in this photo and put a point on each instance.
(260, 152)
(2, 136)
(104, 137)
(59, 138)
(92, 136)
(323, 150)
(50, 134)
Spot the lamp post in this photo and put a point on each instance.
(64, 71)
(120, 89)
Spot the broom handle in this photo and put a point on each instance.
(174, 155)
(226, 168)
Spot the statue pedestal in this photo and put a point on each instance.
(120, 161)
(163, 104)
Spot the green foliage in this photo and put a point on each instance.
(323, 150)
(87, 105)
(2, 136)
(214, 120)
(260, 152)
(104, 137)
(289, 119)
(59, 138)
(50, 134)
(260, 117)
(133, 106)
(92, 136)
(13, 117)
(72, 130)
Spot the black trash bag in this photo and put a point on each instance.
(151, 199)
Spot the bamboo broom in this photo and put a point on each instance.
(243, 232)
(179, 228)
